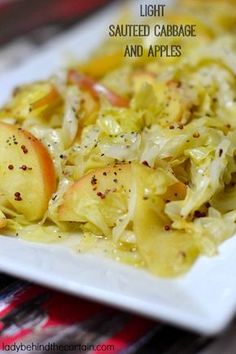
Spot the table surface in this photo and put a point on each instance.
(37, 319)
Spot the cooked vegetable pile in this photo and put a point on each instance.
(138, 154)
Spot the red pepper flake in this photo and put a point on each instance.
(18, 196)
(101, 195)
(24, 149)
(104, 174)
(10, 167)
(171, 127)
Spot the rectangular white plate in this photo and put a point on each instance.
(204, 300)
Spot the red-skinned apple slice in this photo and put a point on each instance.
(27, 175)
(99, 184)
(87, 83)
(93, 187)
(166, 252)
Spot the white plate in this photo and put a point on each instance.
(204, 300)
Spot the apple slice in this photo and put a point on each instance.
(101, 65)
(94, 190)
(27, 176)
(100, 193)
(87, 83)
(97, 186)
(167, 252)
